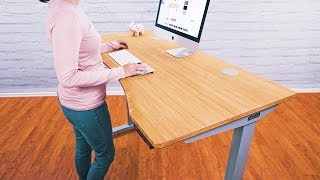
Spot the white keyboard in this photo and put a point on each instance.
(123, 57)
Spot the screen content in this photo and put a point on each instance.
(182, 15)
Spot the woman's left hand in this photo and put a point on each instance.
(123, 45)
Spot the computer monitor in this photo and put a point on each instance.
(182, 22)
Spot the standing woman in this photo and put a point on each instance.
(82, 78)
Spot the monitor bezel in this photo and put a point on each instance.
(196, 39)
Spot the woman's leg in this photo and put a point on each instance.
(101, 142)
(95, 126)
(83, 149)
(82, 155)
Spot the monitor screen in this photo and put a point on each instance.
(183, 17)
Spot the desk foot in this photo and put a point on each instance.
(122, 128)
(239, 150)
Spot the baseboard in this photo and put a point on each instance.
(307, 90)
(48, 94)
(28, 94)
(117, 93)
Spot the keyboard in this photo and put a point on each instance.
(123, 57)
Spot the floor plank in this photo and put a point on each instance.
(37, 142)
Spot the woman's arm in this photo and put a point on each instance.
(66, 39)
(107, 47)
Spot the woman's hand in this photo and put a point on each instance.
(134, 69)
(123, 45)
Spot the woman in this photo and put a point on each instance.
(82, 78)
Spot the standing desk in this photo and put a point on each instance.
(187, 99)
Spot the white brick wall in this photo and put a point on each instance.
(276, 39)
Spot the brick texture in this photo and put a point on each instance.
(275, 39)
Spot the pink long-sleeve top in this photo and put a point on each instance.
(77, 49)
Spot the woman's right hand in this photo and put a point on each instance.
(134, 69)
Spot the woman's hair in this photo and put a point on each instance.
(44, 1)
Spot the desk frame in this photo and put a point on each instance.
(241, 140)
(125, 127)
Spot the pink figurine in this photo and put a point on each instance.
(136, 29)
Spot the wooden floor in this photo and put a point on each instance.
(36, 142)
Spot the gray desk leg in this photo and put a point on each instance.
(124, 127)
(239, 150)
(242, 135)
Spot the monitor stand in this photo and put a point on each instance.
(156, 38)
(180, 52)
